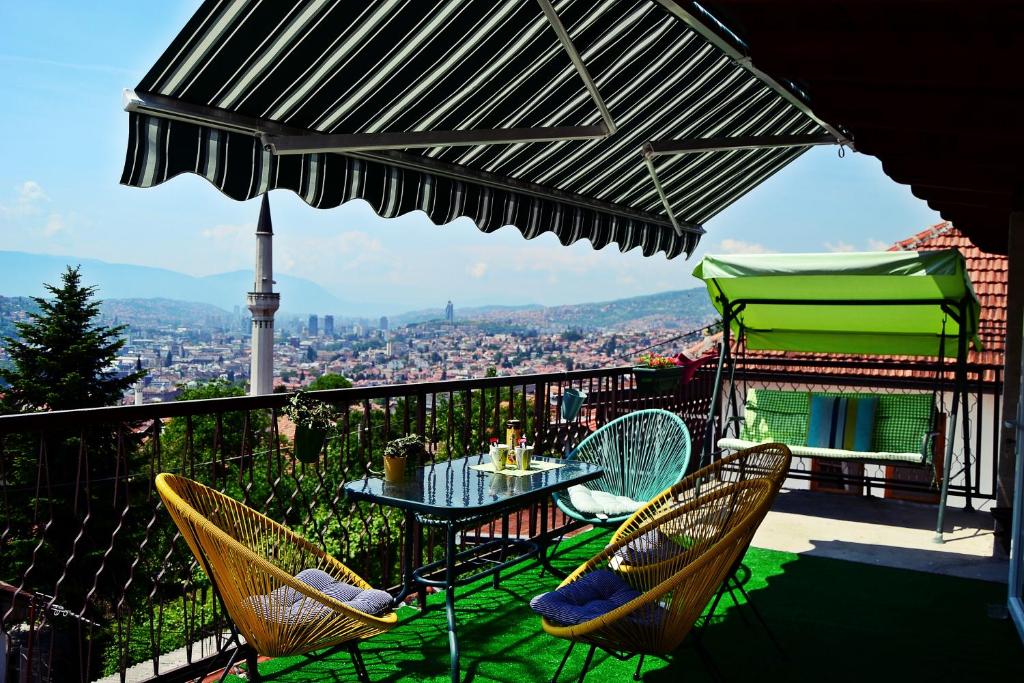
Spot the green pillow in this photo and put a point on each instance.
(902, 422)
(776, 416)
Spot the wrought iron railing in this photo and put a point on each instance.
(98, 583)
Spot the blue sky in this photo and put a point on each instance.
(63, 66)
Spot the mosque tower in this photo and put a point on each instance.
(263, 303)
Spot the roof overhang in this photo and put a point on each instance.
(934, 89)
(610, 121)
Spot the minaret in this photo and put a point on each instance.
(138, 383)
(263, 303)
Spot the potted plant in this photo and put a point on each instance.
(397, 453)
(313, 420)
(656, 374)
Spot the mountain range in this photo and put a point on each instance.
(131, 291)
(23, 274)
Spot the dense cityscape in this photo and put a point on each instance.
(181, 345)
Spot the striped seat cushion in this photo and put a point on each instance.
(842, 422)
(286, 605)
(649, 548)
(591, 596)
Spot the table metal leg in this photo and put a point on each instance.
(407, 563)
(544, 544)
(449, 600)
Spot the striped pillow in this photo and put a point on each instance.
(842, 422)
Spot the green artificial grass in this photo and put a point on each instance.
(838, 621)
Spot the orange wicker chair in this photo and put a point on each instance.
(248, 557)
(693, 547)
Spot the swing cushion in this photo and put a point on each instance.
(901, 420)
(842, 422)
(776, 416)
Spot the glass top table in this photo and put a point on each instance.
(451, 490)
(450, 494)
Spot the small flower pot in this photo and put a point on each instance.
(657, 381)
(308, 444)
(394, 469)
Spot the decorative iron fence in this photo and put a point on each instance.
(97, 582)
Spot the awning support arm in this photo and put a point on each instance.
(786, 90)
(309, 143)
(671, 147)
(679, 227)
(577, 61)
(365, 142)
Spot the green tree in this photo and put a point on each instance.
(63, 357)
(198, 436)
(329, 381)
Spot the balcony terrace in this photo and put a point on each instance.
(100, 584)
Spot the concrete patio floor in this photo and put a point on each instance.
(886, 533)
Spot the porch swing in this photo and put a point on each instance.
(876, 304)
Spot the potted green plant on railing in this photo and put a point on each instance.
(656, 374)
(313, 420)
(397, 454)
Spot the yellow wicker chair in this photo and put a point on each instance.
(706, 536)
(248, 556)
(768, 461)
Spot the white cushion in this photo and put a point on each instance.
(600, 503)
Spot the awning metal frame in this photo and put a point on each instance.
(656, 148)
(698, 18)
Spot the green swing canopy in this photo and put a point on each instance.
(872, 303)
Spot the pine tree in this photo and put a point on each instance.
(63, 357)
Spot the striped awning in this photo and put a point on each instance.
(478, 108)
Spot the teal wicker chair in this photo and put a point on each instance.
(642, 454)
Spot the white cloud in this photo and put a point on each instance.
(221, 233)
(54, 224)
(27, 198)
(840, 246)
(878, 245)
(31, 192)
(477, 270)
(731, 246)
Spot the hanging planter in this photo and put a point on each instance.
(313, 420)
(309, 443)
(657, 375)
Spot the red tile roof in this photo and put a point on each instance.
(988, 275)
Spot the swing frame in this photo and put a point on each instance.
(957, 310)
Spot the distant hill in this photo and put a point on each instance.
(154, 312)
(468, 313)
(687, 308)
(23, 274)
(681, 309)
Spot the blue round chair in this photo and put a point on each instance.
(642, 454)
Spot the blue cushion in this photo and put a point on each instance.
(842, 422)
(286, 605)
(649, 548)
(591, 596)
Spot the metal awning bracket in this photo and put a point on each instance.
(679, 227)
(577, 61)
(673, 147)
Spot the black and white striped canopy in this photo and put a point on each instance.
(242, 68)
